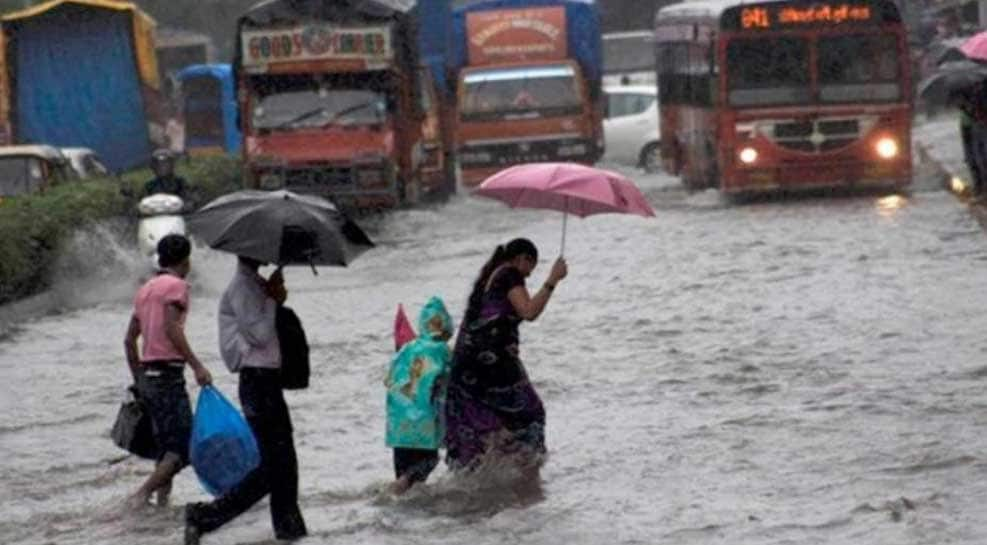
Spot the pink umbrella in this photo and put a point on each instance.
(975, 47)
(567, 187)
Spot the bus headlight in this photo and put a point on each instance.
(748, 156)
(886, 148)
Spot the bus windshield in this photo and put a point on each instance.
(776, 70)
(520, 92)
(768, 71)
(858, 68)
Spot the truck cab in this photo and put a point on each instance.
(339, 106)
(528, 84)
(524, 113)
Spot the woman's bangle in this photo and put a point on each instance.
(548, 286)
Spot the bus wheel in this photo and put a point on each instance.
(650, 159)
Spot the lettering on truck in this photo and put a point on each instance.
(316, 42)
(510, 34)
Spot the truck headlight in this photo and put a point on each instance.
(748, 156)
(886, 148)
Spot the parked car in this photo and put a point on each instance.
(631, 126)
(31, 169)
(85, 162)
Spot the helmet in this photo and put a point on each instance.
(162, 160)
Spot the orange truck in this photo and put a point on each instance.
(528, 79)
(334, 100)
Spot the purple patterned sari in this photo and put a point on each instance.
(491, 405)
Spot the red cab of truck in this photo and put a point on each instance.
(334, 102)
(528, 84)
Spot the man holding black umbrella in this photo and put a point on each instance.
(266, 227)
(249, 346)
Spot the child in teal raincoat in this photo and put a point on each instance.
(415, 392)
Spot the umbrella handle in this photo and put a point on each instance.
(565, 218)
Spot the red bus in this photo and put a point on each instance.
(784, 94)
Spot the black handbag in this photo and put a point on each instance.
(294, 349)
(133, 430)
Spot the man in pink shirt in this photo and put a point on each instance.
(160, 308)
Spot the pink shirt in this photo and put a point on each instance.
(149, 308)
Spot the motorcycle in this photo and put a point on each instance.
(160, 215)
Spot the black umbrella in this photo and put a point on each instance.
(280, 227)
(949, 79)
(947, 50)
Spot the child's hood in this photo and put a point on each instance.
(434, 321)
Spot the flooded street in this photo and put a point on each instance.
(802, 371)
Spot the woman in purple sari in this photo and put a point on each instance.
(491, 408)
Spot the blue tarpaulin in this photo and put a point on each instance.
(78, 84)
(434, 26)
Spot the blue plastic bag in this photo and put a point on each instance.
(223, 449)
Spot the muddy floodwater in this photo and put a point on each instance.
(796, 371)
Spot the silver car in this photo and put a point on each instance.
(631, 127)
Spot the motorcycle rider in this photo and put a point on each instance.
(165, 180)
(159, 214)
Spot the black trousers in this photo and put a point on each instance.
(266, 412)
(978, 145)
(971, 154)
(416, 464)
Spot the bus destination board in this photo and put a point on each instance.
(792, 16)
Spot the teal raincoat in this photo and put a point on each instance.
(416, 382)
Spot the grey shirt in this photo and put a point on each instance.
(247, 334)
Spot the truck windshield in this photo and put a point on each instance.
(310, 104)
(508, 93)
(20, 175)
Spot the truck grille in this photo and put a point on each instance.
(512, 153)
(318, 177)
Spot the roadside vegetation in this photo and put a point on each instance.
(33, 228)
